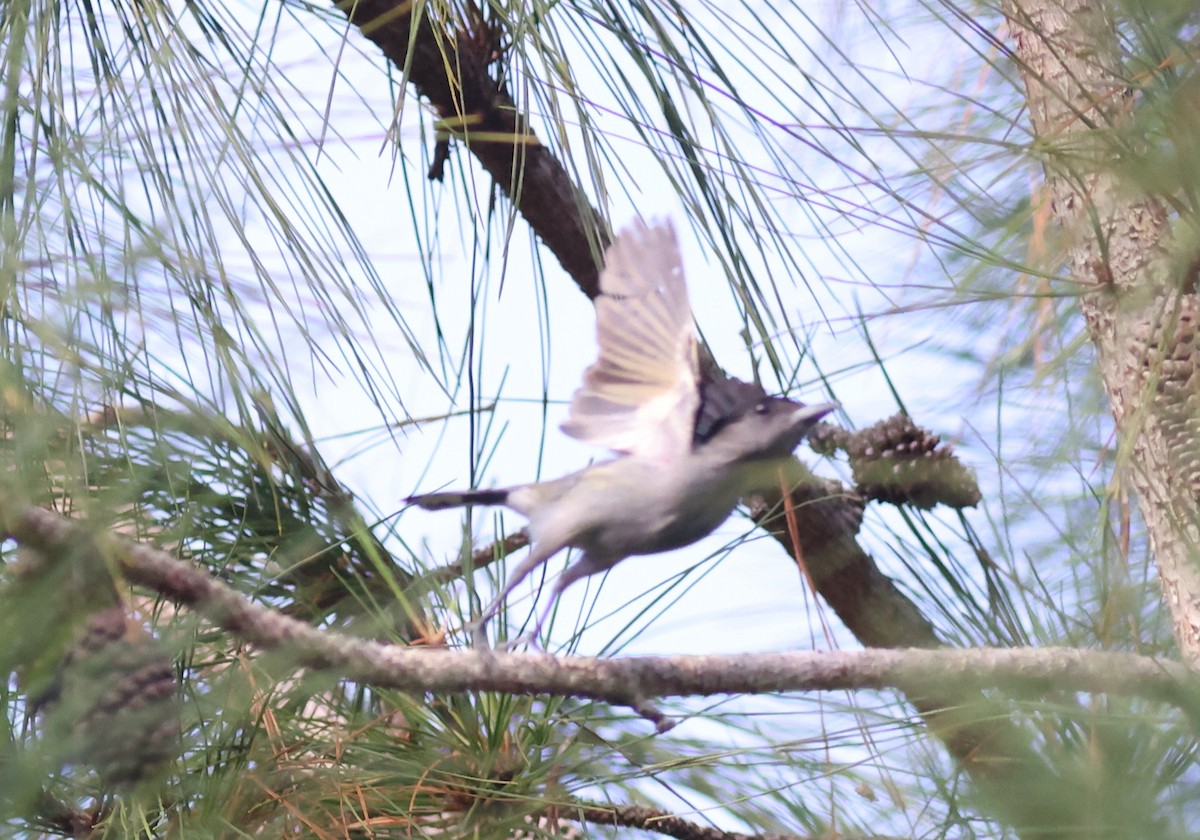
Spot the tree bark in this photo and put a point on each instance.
(1137, 298)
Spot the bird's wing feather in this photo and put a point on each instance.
(641, 394)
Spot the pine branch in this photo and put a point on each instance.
(481, 558)
(447, 63)
(666, 824)
(628, 682)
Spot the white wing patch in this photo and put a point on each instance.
(641, 394)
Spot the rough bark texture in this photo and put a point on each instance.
(65, 547)
(1141, 312)
(448, 64)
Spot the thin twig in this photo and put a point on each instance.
(667, 824)
(481, 558)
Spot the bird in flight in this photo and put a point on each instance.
(688, 441)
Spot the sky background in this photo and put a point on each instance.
(536, 338)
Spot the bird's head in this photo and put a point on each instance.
(739, 420)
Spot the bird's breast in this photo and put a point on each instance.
(657, 507)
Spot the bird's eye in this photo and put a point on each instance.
(761, 408)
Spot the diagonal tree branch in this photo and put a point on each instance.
(863, 597)
(849, 579)
(448, 65)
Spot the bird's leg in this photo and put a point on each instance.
(585, 566)
(538, 554)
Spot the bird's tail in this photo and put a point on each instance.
(441, 501)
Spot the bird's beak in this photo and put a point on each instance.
(813, 413)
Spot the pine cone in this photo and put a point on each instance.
(826, 439)
(117, 705)
(898, 462)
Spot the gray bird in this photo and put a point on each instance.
(688, 444)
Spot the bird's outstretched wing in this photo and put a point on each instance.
(641, 395)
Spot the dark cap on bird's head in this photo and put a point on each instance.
(740, 415)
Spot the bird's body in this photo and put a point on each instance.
(689, 446)
(672, 507)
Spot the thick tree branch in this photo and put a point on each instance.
(449, 66)
(626, 682)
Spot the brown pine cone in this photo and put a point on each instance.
(898, 462)
(117, 706)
